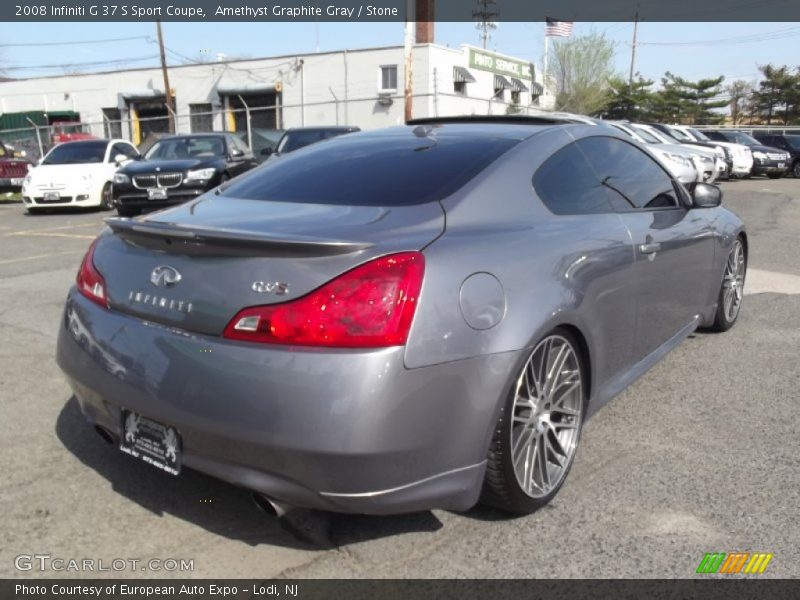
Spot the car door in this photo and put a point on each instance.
(673, 245)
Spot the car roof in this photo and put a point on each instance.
(325, 128)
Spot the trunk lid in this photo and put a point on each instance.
(196, 265)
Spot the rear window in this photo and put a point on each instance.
(373, 170)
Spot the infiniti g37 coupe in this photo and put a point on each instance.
(396, 320)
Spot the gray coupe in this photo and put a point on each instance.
(396, 320)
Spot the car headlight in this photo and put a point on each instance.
(27, 180)
(121, 179)
(681, 160)
(707, 159)
(759, 155)
(200, 174)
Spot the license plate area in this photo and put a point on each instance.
(781, 165)
(156, 444)
(16, 181)
(51, 197)
(156, 194)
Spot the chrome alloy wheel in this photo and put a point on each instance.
(733, 282)
(546, 416)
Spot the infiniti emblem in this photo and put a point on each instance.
(164, 276)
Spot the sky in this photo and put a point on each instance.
(691, 50)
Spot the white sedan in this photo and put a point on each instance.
(76, 174)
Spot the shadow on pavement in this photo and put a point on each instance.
(217, 506)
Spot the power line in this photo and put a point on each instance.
(83, 64)
(746, 39)
(81, 42)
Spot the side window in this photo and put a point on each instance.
(129, 151)
(631, 173)
(567, 185)
(234, 143)
(116, 149)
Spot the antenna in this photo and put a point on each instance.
(486, 16)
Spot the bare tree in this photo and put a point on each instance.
(739, 91)
(582, 68)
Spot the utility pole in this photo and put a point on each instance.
(486, 16)
(633, 46)
(167, 89)
(408, 69)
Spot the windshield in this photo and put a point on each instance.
(654, 135)
(294, 140)
(699, 135)
(647, 137)
(793, 141)
(76, 153)
(679, 135)
(186, 147)
(741, 138)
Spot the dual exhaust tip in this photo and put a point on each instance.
(267, 505)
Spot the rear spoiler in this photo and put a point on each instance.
(207, 240)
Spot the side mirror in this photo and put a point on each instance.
(237, 154)
(705, 195)
(120, 158)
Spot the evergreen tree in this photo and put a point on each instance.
(629, 101)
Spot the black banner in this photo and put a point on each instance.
(396, 10)
(711, 588)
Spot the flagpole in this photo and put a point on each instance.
(544, 66)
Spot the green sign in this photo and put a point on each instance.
(489, 61)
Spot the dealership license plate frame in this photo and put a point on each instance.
(151, 441)
(156, 194)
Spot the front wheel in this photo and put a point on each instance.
(731, 293)
(106, 198)
(539, 427)
(796, 170)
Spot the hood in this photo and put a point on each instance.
(141, 167)
(56, 174)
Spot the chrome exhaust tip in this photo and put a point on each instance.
(270, 506)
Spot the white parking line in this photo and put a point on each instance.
(760, 282)
(43, 229)
(38, 256)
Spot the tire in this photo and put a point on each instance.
(106, 197)
(33, 211)
(731, 292)
(535, 423)
(796, 169)
(127, 211)
(774, 175)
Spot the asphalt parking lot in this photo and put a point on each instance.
(700, 455)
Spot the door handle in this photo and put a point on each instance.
(649, 247)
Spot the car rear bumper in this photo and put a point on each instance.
(338, 430)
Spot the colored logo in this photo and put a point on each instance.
(735, 562)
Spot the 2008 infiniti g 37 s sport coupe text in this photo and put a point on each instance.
(396, 320)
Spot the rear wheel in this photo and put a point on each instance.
(796, 170)
(539, 427)
(731, 292)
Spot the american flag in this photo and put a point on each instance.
(558, 28)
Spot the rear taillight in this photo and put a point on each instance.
(90, 282)
(371, 306)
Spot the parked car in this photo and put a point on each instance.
(76, 174)
(678, 160)
(705, 161)
(767, 160)
(300, 137)
(788, 142)
(362, 327)
(741, 156)
(723, 153)
(12, 170)
(264, 142)
(69, 131)
(179, 168)
(718, 164)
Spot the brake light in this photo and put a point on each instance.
(371, 306)
(90, 282)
